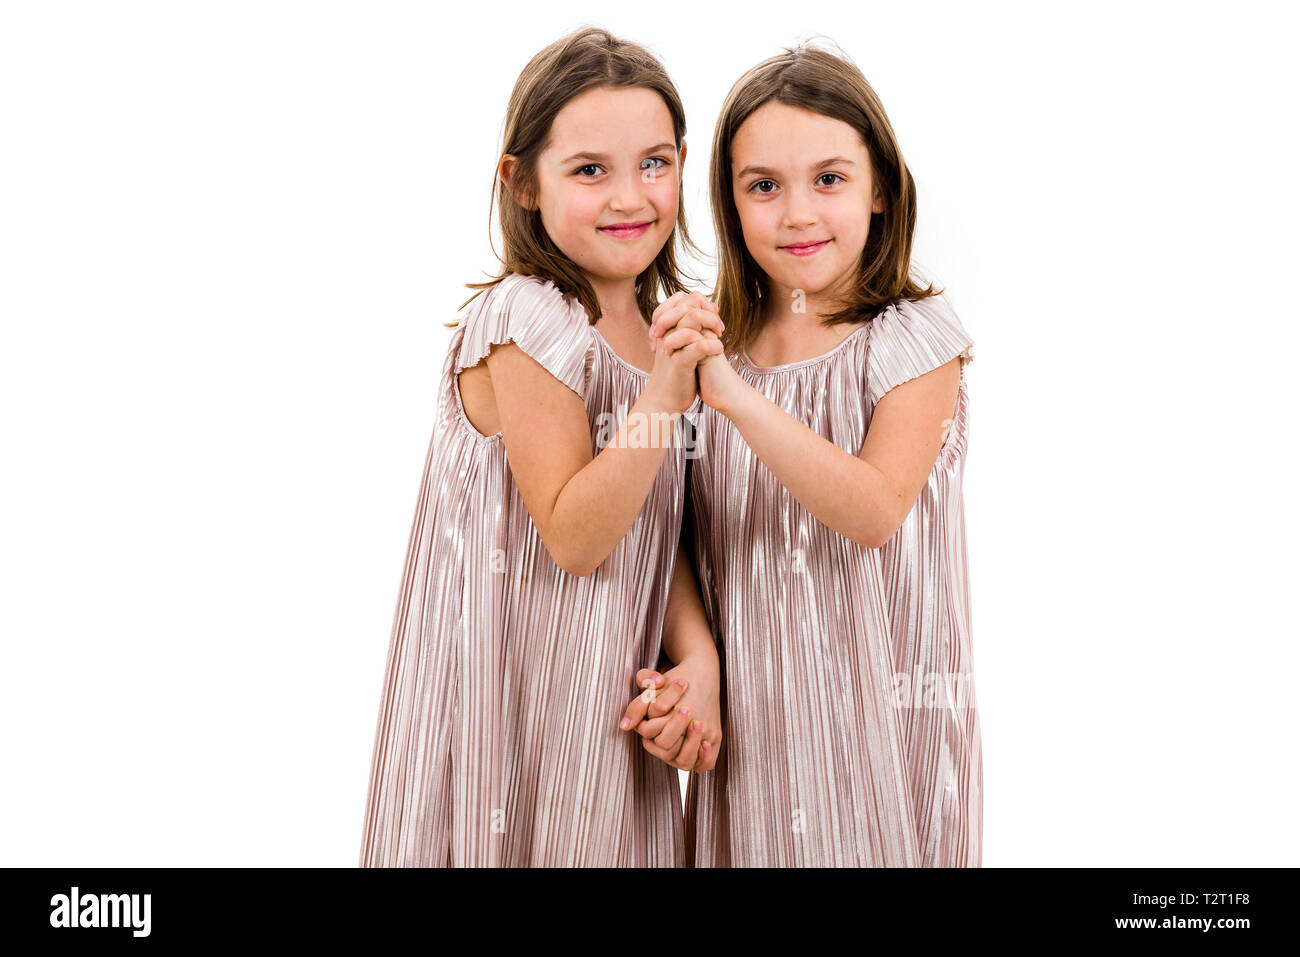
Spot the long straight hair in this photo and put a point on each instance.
(830, 84)
(583, 60)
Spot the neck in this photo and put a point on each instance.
(617, 299)
(787, 308)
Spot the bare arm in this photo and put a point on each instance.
(686, 627)
(865, 497)
(689, 739)
(584, 505)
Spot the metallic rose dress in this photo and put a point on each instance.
(497, 741)
(850, 731)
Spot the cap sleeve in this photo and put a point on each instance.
(909, 339)
(531, 312)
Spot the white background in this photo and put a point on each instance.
(229, 235)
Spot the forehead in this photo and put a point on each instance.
(610, 120)
(780, 136)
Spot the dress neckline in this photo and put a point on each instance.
(800, 363)
(635, 370)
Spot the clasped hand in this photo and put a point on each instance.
(683, 325)
(681, 723)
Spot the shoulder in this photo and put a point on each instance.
(524, 299)
(533, 313)
(931, 323)
(909, 338)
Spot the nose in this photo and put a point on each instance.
(799, 213)
(628, 195)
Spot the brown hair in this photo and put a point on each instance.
(822, 82)
(587, 58)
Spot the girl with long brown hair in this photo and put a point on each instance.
(827, 497)
(538, 568)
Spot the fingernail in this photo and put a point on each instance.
(695, 726)
(683, 710)
(625, 724)
(705, 745)
(681, 683)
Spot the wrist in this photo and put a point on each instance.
(651, 422)
(736, 402)
(655, 400)
(701, 657)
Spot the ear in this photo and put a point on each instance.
(506, 171)
(877, 202)
(681, 157)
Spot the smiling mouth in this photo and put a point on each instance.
(805, 249)
(627, 230)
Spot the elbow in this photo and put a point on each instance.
(866, 540)
(573, 561)
(580, 569)
(877, 531)
(571, 548)
(875, 536)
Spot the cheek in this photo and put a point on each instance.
(758, 223)
(856, 228)
(852, 220)
(576, 212)
(664, 194)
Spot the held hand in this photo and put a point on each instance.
(682, 726)
(692, 309)
(655, 688)
(718, 382)
(678, 353)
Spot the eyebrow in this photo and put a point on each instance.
(765, 171)
(602, 156)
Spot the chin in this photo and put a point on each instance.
(625, 270)
(820, 277)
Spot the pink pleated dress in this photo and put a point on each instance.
(850, 732)
(497, 742)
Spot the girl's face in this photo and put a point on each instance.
(609, 181)
(803, 188)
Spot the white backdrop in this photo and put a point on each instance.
(229, 234)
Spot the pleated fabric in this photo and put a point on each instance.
(850, 731)
(497, 742)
